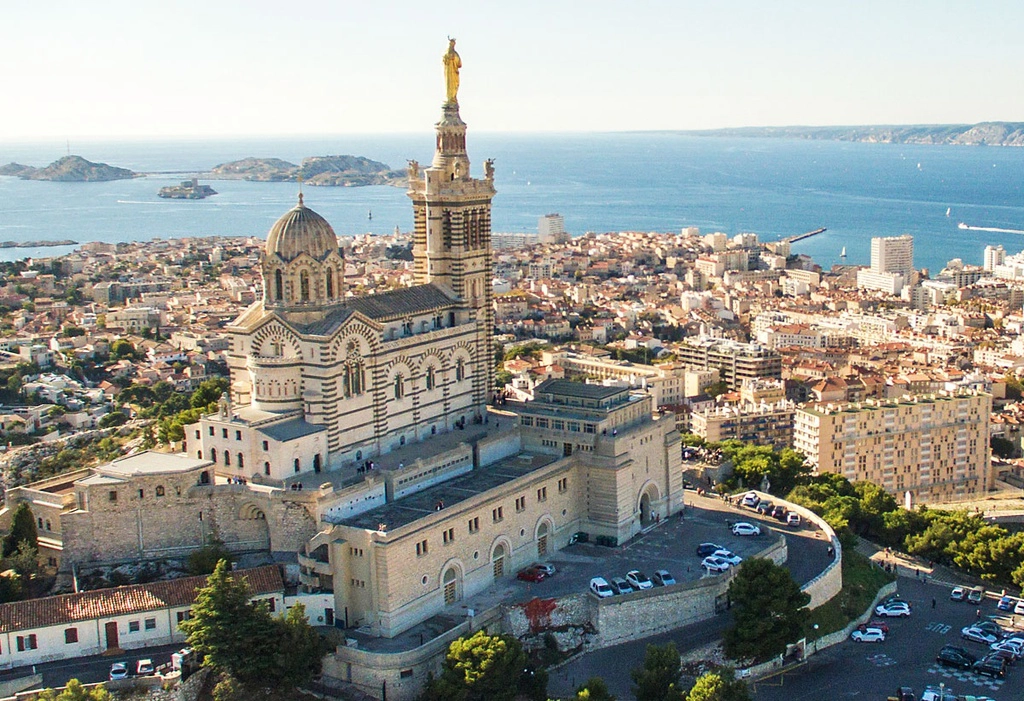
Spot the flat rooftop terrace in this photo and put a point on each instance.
(451, 492)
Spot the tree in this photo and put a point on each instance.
(658, 678)
(75, 691)
(23, 530)
(594, 690)
(122, 348)
(768, 610)
(719, 685)
(205, 559)
(300, 648)
(114, 418)
(230, 634)
(482, 667)
(209, 392)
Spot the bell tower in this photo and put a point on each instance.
(452, 215)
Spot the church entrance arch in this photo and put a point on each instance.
(648, 496)
(543, 536)
(450, 581)
(498, 557)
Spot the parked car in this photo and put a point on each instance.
(1018, 608)
(876, 623)
(639, 580)
(729, 556)
(765, 507)
(1005, 655)
(870, 635)
(779, 512)
(1005, 603)
(904, 693)
(621, 586)
(600, 587)
(793, 519)
(531, 574)
(895, 609)
(662, 578)
(118, 670)
(546, 567)
(950, 656)
(976, 595)
(957, 594)
(144, 667)
(935, 693)
(750, 499)
(990, 627)
(744, 528)
(705, 549)
(991, 667)
(1011, 645)
(714, 564)
(977, 635)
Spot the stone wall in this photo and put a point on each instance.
(567, 620)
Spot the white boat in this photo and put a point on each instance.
(948, 210)
(842, 254)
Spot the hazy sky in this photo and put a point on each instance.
(121, 69)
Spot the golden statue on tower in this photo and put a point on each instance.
(452, 64)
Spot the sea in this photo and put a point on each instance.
(600, 182)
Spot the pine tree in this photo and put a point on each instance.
(23, 530)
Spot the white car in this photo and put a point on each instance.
(977, 635)
(868, 635)
(714, 564)
(744, 528)
(144, 667)
(729, 556)
(893, 609)
(1018, 608)
(600, 587)
(793, 520)
(118, 670)
(1011, 645)
(639, 580)
(663, 578)
(750, 499)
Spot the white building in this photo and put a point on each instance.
(551, 228)
(892, 264)
(994, 255)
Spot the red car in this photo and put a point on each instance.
(875, 623)
(531, 574)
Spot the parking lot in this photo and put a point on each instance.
(905, 658)
(672, 546)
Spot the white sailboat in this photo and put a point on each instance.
(948, 210)
(842, 254)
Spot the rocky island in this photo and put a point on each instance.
(343, 171)
(70, 169)
(187, 190)
(981, 134)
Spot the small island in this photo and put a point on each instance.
(187, 190)
(70, 169)
(329, 171)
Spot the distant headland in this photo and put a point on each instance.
(981, 134)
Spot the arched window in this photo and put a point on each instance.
(227, 458)
(278, 285)
(304, 286)
(460, 370)
(297, 464)
(430, 377)
(266, 468)
(199, 454)
(241, 461)
(213, 454)
(330, 284)
(399, 386)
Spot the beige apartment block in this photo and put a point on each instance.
(927, 448)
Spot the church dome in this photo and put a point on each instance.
(301, 230)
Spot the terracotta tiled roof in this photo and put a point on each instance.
(138, 598)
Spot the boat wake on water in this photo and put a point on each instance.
(961, 225)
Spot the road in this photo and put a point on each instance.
(906, 658)
(92, 669)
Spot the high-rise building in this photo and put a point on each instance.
(994, 255)
(734, 361)
(551, 229)
(893, 254)
(927, 448)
